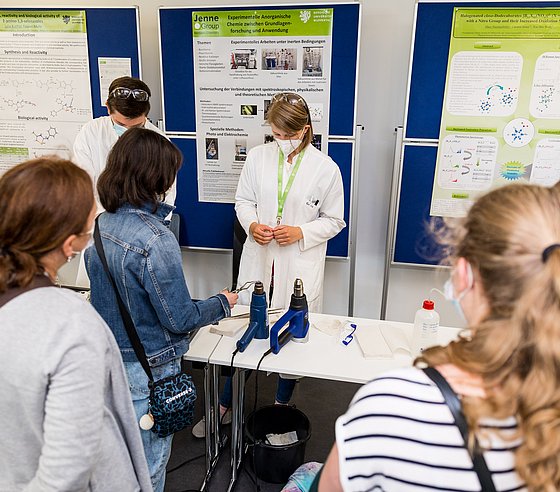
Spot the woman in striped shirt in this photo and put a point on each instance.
(399, 435)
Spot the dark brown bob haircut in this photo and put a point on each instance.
(129, 107)
(42, 203)
(141, 167)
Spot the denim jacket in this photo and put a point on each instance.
(145, 260)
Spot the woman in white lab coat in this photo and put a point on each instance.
(290, 201)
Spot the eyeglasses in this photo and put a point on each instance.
(289, 97)
(124, 93)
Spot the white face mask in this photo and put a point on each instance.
(288, 146)
(449, 292)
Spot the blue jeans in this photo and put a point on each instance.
(284, 391)
(156, 449)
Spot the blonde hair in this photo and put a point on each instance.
(516, 347)
(289, 113)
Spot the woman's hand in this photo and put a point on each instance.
(231, 297)
(261, 232)
(285, 234)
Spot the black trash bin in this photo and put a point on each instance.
(271, 463)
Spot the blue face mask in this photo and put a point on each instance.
(119, 129)
(449, 293)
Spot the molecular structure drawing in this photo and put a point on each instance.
(64, 106)
(41, 138)
(18, 104)
(51, 83)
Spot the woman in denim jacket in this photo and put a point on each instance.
(145, 260)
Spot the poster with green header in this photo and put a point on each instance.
(44, 83)
(242, 58)
(501, 113)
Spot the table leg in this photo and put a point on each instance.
(238, 398)
(212, 436)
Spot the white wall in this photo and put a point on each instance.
(385, 49)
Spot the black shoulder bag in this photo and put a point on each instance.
(452, 401)
(38, 281)
(171, 405)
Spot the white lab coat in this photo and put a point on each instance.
(315, 203)
(92, 146)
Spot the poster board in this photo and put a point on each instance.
(59, 61)
(418, 150)
(215, 220)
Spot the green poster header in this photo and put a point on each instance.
(17, 151)
(70, 21)
(507, 23)
(257, 23)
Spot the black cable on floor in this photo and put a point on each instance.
(186, 463)
(256, 481)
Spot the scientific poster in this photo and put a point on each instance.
(501, 113)
(241, 59)
(44, 83)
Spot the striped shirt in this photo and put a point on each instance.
(399, 435)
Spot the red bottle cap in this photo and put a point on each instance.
(429, 305)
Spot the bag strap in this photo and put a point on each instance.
(454, 404)
(126, 318)
(37, 282)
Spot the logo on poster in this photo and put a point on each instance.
(305, 15)
(206, 22)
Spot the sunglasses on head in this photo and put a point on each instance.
(124, 93)
(289, 97)
(293, 99)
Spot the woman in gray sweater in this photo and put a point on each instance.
(68, 422)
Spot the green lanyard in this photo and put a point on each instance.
(282, 196)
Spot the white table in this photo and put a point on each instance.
(322, 356)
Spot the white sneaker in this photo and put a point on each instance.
(199, 429)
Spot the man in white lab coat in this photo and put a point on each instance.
(128, 103)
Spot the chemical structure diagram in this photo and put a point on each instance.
(44, 136)
(17, 104)
(63, 106)
(498, 95)
(53, 84)
(545, 99)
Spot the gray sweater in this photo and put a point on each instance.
(67, 418)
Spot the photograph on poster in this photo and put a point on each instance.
(245, 59)
(315, 111)
(268, 138)
(312, 62)
(248, 110)
(212, 149)
(266, 106)
(279, 59)
(316, 142)
(240, 150)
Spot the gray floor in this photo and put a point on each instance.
(322, 401)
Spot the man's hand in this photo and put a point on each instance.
(262, 233)
(285, 234)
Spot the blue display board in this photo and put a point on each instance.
(429, 59)
(111, 32)
(210, 225)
